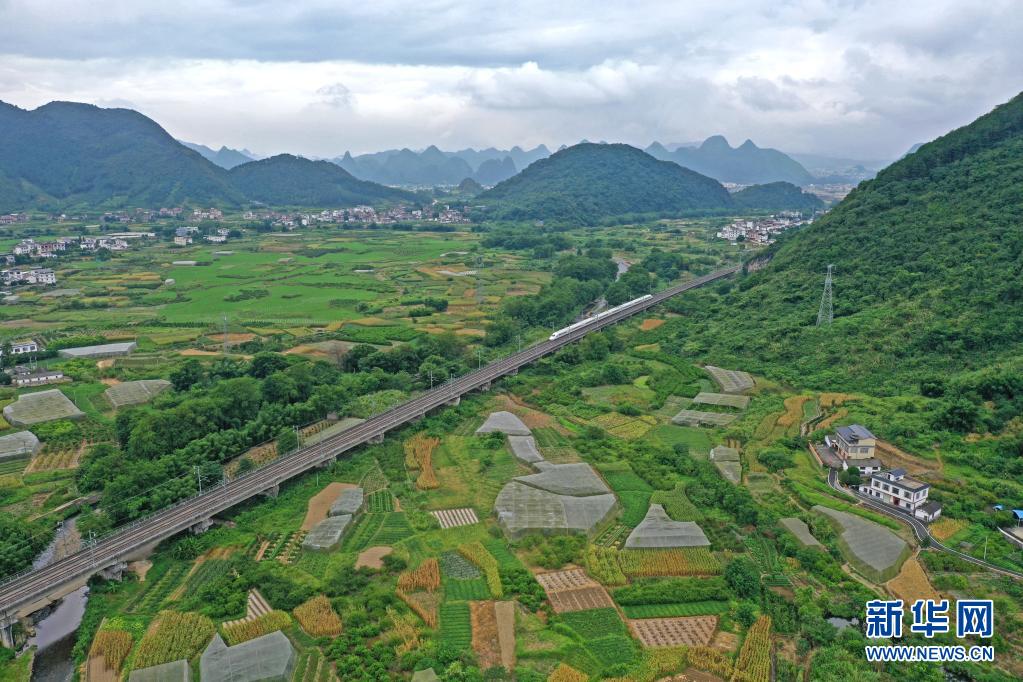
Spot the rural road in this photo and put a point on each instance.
(918, 526)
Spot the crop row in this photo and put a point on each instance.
(151, 599)
(425, 577)
(484, 560)
(466, 590)
(380, 501)
(318, 618)
(243, 631)
(754, 662)
(455, 625)
(679, 561)
(175, 636)
(696, 608)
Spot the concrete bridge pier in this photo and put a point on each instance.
(201, 527)
(379, 438)
(7, 631)
(272, 492)
(485, 387)
(454, 402)
(115, 572)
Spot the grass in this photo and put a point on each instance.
(697, 608)
(466, 590)
(595, 623)
(698, 440)
(455, 625)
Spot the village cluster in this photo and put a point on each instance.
(361, 215)
(30, 249)
(763, 231)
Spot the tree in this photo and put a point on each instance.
(287, 440)
(746, 613)
(743, 577)
(187, 375)
(264, 364)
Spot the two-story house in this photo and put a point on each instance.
(854, 442)
(895, 488)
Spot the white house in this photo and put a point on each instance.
(36, 378)
(865, 466)
(898, 490)
(19, 347)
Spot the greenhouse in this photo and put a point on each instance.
(18, 445)
(105, 350)
(657, 530)
(740, 402)
(523, 509)
(135, 392)
(270, 658)
(327, 534)
(175, 671)
(802, 532)
(726, 460)
(524, 448)
(44, 406)
(870, 548)
(504, 422)
(348, 502)
(577, 480)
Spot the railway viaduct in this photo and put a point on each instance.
(35, 589)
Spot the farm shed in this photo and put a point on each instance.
(175, 671)
(326, 535)
(44, 406)
(269, 658)
(504, 422)
(106, 350)
(657, 530)
(135, 392)
(348, 502)
(697, 417)
(18, 444)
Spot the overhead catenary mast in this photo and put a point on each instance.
(826, 313)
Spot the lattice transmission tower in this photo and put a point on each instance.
(826, 313)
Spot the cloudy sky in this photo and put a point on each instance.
(858, 78)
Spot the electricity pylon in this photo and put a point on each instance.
(827, 311)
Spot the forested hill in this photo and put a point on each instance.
(66, 154)
(777, 196)
(928, 274)
(588, 182)
(287, 180)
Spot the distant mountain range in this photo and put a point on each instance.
(223, 157)
(589, 182)
(64, 155)
(432, 166)
(746, 164)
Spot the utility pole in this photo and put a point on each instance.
(431, 379)
(479, 280)
(92, 547)
(826, 313)
(479, 356)
(518, 340)
(224, 317)
(198, 477)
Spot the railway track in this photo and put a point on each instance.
(34, 585)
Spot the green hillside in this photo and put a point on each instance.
(66, 154)
(287, 180)
(777, 196)
(928, 260)
(588, 182)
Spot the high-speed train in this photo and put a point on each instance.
(598, 316)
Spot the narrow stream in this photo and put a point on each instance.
(54, 636)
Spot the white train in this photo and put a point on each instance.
(599, 316)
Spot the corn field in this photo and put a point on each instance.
(754, 662)
(425, 577)
(485, 561)
(243, 631)
(419, 455)
(175, 636)
(318, 618)
(113, 645)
